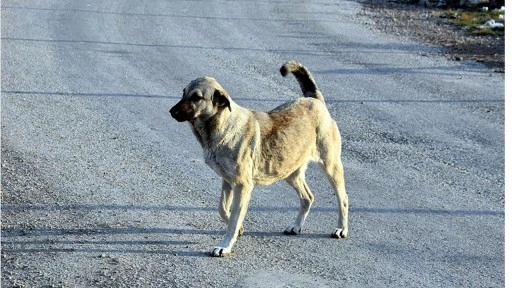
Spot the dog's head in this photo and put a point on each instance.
(202, 99)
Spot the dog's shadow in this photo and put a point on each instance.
(279, 234)
(101, 241)
(105, 241)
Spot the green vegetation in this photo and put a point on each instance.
(473, 19)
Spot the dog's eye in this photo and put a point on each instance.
(195, 97)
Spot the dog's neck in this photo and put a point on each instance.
(217, 131)
(206, 130)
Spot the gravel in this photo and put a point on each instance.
(101, 188)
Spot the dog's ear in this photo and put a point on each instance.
(220, 99)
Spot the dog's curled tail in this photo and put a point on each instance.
(306, 81)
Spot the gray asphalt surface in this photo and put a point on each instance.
(101, 187)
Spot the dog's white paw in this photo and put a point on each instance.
(293, 230)
(339, 233)
(220, 252)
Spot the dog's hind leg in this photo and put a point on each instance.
(334, 171)
(298, 182)
(226, 198)
(329, 146)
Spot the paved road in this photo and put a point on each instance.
(100, 187)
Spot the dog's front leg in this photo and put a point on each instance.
(226, 197)
(241, 197)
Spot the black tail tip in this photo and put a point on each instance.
(284, 70)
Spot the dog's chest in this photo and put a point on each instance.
(216, 163)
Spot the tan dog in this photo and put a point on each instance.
(248, 148)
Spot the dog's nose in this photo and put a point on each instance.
(177, 114)
(173, 111)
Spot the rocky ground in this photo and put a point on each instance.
(82, 207)
(428, 25)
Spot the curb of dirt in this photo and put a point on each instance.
(426, 25)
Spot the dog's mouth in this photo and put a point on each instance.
(181, 116)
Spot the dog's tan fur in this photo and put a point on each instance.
(248, 148)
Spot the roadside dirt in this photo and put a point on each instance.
(427, 25)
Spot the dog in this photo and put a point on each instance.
(247, 148)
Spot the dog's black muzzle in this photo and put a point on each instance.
(182, 112)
